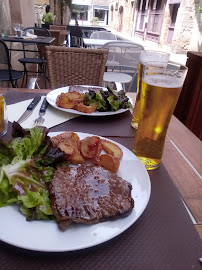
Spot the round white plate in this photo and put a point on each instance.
(46, 236)
(52, 96)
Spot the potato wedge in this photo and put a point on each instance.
(64, 137)
(69, 100)
(67, 149)
(89, 146)
(112, 149)
(96, 159)
(109, 162)
(81, 107)
(76, 158)
(66, 103)
(75, 96)
(69, 142)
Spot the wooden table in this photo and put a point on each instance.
(182, 159)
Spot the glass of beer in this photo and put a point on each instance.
(161, 59)
(159, 94)
(3, 116)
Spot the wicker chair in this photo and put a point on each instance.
(75, 66)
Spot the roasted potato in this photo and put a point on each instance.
(67, 149)
(109, 162)
(75, 96)
(112, 149)
(69, 100)
(69, 142)
(81, 107)
(89, 146)
(96, 159)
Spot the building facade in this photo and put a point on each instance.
(176, 24)
(91, 9)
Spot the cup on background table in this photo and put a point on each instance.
(16, 27)
(3, 117)
(159, 94)
(161, 59)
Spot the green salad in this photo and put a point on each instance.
(27, 165)
(110, 100)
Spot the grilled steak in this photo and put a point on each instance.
(83, 89)
(89, 194)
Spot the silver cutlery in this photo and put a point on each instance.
(42, 111)
(29, 109)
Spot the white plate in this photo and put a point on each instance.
(52, 96)
(46, 236)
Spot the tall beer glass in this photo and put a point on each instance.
(161, 59)
(159, 94)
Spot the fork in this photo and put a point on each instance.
(39, 121)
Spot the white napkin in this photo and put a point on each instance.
(53, 117)
(31, 36)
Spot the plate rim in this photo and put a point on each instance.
(62, 250)
(66, 88)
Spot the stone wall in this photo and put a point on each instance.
(188, 28)
(127, 12)
(165, 25)
(187, 34)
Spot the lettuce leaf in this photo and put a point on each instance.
(110, 100)
(30, 146)
(114, 103)
(27, 165)
(26, 184)
(6, 154)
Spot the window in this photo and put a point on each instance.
(100, 14)
(156, 16)
(81, 12)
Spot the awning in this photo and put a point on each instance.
(172, 2)
(100, 7)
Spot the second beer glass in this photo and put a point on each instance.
(160, 91)
(161, 59)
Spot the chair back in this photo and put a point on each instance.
(103, 35)
(56, 34)
(43, 32)
(123, 53)
(58, 27)
(60, 33)
(75, 66)
(4, 53)
(5, 58)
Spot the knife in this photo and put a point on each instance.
(29, 110)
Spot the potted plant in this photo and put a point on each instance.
(94, 21)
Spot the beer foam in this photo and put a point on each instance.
(159, 60)
(163, 81)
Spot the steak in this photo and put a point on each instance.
(89, 194)
(83, 89)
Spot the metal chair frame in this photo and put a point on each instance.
(123, 54)
(103, 35)
(39, 61)
(13, 75)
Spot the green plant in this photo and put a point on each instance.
(94, 20)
